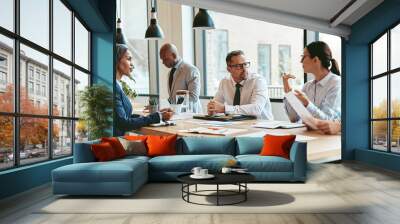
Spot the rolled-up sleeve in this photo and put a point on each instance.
(330, 108)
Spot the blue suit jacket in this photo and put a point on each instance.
(125, 120)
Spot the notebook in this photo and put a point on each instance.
(223, 117)
(277, 124)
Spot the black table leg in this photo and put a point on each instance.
(217, 194)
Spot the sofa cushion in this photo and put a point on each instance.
(277, 145)
(103, 152)
(116, 145)
(161, 145)
(249, 145)
(207, 145)
(257, 163)
(185, 163)
(134, 147)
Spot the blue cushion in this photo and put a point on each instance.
(206, 145)
(257, 163)
(185, 163)
(249, 145)
(83, 152)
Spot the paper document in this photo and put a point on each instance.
(303, 113)
(277, 124)
(214, 130)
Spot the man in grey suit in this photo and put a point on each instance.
(182, 76)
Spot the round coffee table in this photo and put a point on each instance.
(238, 179)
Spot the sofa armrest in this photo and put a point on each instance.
(83, 152)
(298, 155)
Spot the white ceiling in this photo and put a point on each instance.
(307, 14)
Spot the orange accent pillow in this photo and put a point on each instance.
(135, 137)
(116, 145)
(161, 145)
(275, 145)
(103, 151)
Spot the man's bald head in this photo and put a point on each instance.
(169, 55)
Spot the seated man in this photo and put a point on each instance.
(241, 93)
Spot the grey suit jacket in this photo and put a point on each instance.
(187, 77)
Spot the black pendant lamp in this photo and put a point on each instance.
(120, 37)
(154, 31)
(203, 20)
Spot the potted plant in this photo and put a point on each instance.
(96, 103)
(153, 105)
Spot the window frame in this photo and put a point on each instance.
(16, 115)
(388, 74)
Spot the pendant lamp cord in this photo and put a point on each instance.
(119, 10)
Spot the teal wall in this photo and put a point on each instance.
(99, 16)
(356, 76)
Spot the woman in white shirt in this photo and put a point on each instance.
(321, 96)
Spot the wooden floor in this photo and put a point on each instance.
(378, 188)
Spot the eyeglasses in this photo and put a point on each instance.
(303, 56)
(240, 66)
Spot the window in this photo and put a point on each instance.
(81, 45)
(217, 48)
(7, 14)
(30, 87)
(6, 74)
(268, 46)
(3, 78)
(284, 60)
(3, 72)
(385, 97)
(62, 29)
(30, 72)
(34, 21)
(45, 130)
(134, 27)
(264, 61)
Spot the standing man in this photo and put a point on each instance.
(182, 76)
(241, 93)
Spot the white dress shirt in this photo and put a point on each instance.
(324, 99)
(254, 98)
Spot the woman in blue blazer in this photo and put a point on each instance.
(125, 120)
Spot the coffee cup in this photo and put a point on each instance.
(226, 170)
(203, 172)
(196, 171)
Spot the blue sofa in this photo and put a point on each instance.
(125, 176)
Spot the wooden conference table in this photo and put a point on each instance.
(320, 147)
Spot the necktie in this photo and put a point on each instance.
(236, 98)
(171, 77)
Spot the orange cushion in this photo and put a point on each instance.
(135, 137)
(103, 151)
(277, 145)
(161, 145)
(116, 145)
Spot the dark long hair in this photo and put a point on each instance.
(121, 49)
(321, 50)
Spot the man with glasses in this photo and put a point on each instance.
(241, 93)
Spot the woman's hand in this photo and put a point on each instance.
(285, 79)
(329, 127)
(166, 114)
(302, 97)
